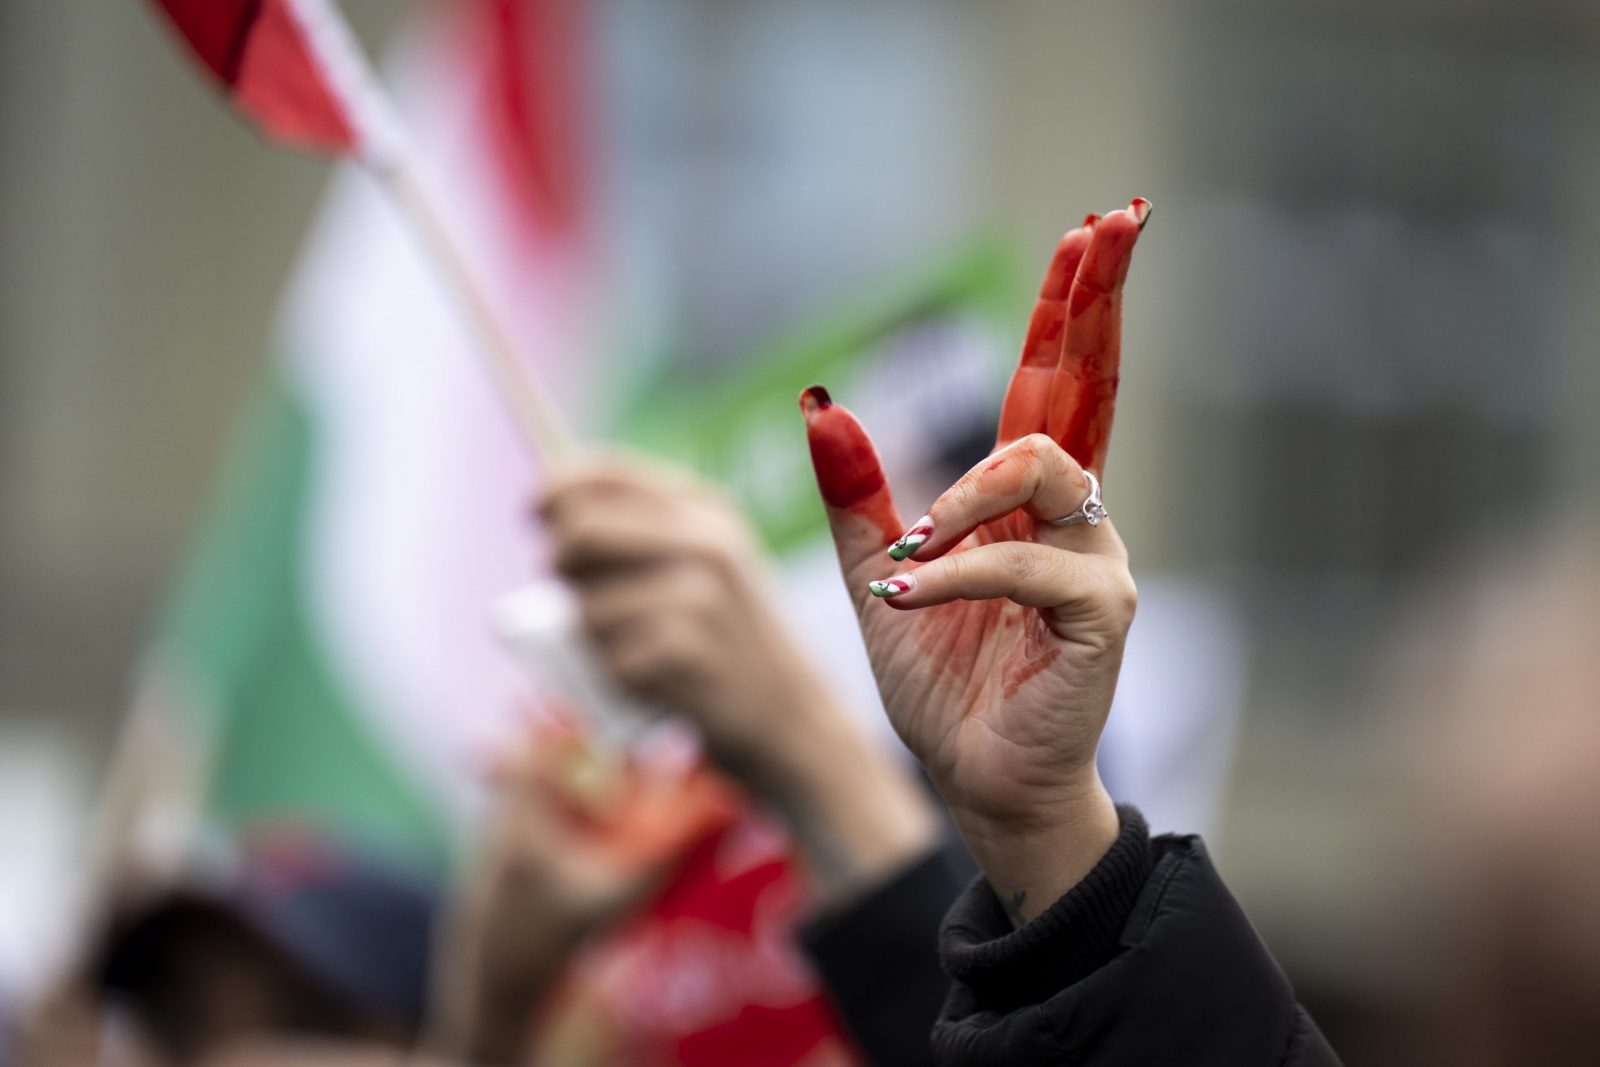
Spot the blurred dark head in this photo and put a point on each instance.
(307, 939)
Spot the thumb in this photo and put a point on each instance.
(861, 512)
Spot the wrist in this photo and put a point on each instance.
(1032, 860)
(857, 814)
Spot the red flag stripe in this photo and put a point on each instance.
(216, 30)
(535, 105)
(259, 49)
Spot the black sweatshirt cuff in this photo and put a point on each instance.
(1073, 938)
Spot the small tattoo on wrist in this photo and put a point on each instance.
(1013, 906)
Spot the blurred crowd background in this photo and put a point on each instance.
(1359, 372)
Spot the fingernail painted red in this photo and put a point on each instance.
(815, 399)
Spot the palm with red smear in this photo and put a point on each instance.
(997, 648)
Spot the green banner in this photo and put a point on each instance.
(743, 429)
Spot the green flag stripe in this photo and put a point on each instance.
(292, 744)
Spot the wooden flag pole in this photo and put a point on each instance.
(539, 423)
(388, 153)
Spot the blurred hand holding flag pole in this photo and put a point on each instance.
(296, 70)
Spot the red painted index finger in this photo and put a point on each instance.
(1083, 395)
(1028, 396)
(850, 478)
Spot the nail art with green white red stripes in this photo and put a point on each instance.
(888, 587)
(912, 539)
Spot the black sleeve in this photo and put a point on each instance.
(1148, 960)
(878, 958)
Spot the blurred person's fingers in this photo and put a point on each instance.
(655, 659)
(613, 474)
(1026, 406)
(619, 513)
(1083, 398)
(597, 541)
(682, 593)
(1033, 475)
(861, 512)
(606, 536)
(655, 629)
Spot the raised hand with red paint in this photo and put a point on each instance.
(998, 640)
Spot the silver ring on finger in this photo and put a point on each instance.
(1091, 511)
